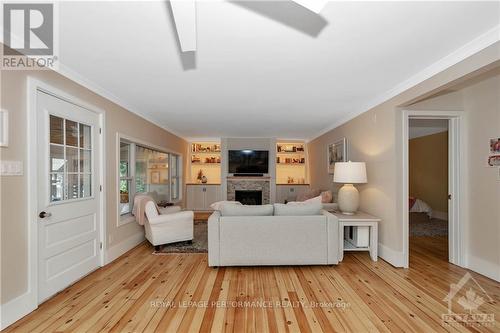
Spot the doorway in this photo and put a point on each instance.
(431, 221)
(428, 187)
(68, 192)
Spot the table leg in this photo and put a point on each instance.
(341, 242)
(374, 242)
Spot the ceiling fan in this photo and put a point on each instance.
(184, 12)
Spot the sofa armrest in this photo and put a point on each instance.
(332, 227)
(167, 218)
(214, 239)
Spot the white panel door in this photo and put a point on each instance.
(68, 193)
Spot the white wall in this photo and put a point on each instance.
(481, 103)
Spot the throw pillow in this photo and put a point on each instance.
(297, 210)
(247, 210)
(218, 205)
(326, 196)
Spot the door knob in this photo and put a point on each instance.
(43, 215)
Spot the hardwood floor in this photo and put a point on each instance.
(141, 292)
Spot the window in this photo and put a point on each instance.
(126, 193)
(176, 176)
(70, 160)
(143, 169)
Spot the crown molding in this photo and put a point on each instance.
(476, 45)
(92, 86)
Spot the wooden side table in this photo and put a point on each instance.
(359, 219)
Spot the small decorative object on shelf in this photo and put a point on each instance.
(205, 148)
(290, 148)
(204, 179)
(200, 176)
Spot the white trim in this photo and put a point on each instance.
(395, 258)
(484, 267)
(476, 45)
(15, 309)
(456, 181)
(4, 137)
(92, 86)
(28, 301)
(123, 247)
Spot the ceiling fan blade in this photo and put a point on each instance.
(184, 12)
(315, 6)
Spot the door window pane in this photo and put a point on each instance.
(56, 158)
(73, 186)
(71, 133)
(56, 130)
(85, 138)
(56, 186)
(85, 186)
(85, 162)
(72, 158)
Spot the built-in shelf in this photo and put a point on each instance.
(291, 162)
(200, 154)
(205, 163)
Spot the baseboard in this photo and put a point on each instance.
(123, 247)
(395, 258)
(15, 309)
(439, 215)
(484, 267)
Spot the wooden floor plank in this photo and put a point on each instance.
(121, 297)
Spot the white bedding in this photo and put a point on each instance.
(421, 207)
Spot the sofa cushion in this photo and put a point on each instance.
(308, 195)
(298, 210)
(246, 210)
(218, 205)
(306, 202)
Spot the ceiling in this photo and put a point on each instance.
(261, 69)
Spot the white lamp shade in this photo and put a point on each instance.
(350, 172)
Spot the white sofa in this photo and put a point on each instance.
(272, 240)
(172, 225)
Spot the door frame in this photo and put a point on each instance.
(456, 181)
(33, 86)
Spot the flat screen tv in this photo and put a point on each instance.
(248, 161)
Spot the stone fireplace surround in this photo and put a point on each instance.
(246, 184)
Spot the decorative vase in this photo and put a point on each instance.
(204, 180)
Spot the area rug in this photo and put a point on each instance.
(421, 225)
(198, 245)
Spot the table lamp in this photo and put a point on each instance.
(349, 173)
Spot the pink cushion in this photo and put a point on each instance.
(308, 195)
(326, 197)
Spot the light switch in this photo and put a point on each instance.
(11, 168)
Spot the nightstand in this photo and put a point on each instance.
(359, 219)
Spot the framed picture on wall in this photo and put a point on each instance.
(155, 177)
(337, 152)
(495, 146)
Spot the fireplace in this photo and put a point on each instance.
(247, 197)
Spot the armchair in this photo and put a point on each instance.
(170, 226)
